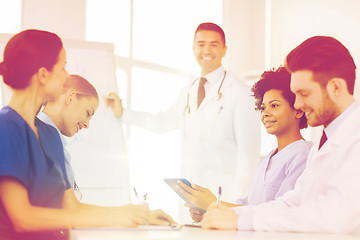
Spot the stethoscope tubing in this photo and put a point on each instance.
(217, 98)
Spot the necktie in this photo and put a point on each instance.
(322, 140)
(201, 91)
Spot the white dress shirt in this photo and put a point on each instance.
(69, 171)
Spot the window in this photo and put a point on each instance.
(109, 21)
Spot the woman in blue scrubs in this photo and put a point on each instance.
(36, 200)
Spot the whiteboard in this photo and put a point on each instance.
(97, 154)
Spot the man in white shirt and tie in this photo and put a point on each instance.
(327, 195)
(220, 131)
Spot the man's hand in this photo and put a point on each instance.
(222, 218)
(115, 103)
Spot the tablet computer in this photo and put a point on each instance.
(172, 182)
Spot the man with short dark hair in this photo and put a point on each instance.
(326, 196)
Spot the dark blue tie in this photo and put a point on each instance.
(322, 140)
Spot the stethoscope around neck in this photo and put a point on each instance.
(217, 97)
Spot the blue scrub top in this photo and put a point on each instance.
(37, 163)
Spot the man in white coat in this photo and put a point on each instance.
(220, 130)
(327, 195)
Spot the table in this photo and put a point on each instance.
(189, 233)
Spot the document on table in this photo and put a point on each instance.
(138, 228)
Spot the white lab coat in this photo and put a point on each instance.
(220, 141)
(326, 197)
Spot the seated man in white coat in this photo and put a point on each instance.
(327, 195)
(220, 131)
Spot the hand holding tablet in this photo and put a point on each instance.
(182, 192)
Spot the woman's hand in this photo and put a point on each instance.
(131, 215)
(198, 196)
(159, 217)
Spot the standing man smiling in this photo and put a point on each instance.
(220, 131)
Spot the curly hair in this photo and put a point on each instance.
(279, 79)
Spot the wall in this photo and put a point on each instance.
(306, 18)
(244, 26)
(289, 23)
(294, 21)
(67, 18)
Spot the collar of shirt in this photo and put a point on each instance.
(331, 128)
(214, 76)
(45, 118)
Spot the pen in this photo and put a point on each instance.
(136, 195)
(221, 108)
(218, 200)
(144, 203)
(144, 197)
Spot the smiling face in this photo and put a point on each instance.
(77, 114)
(312, 99)
(208, 50)
(277, 115)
